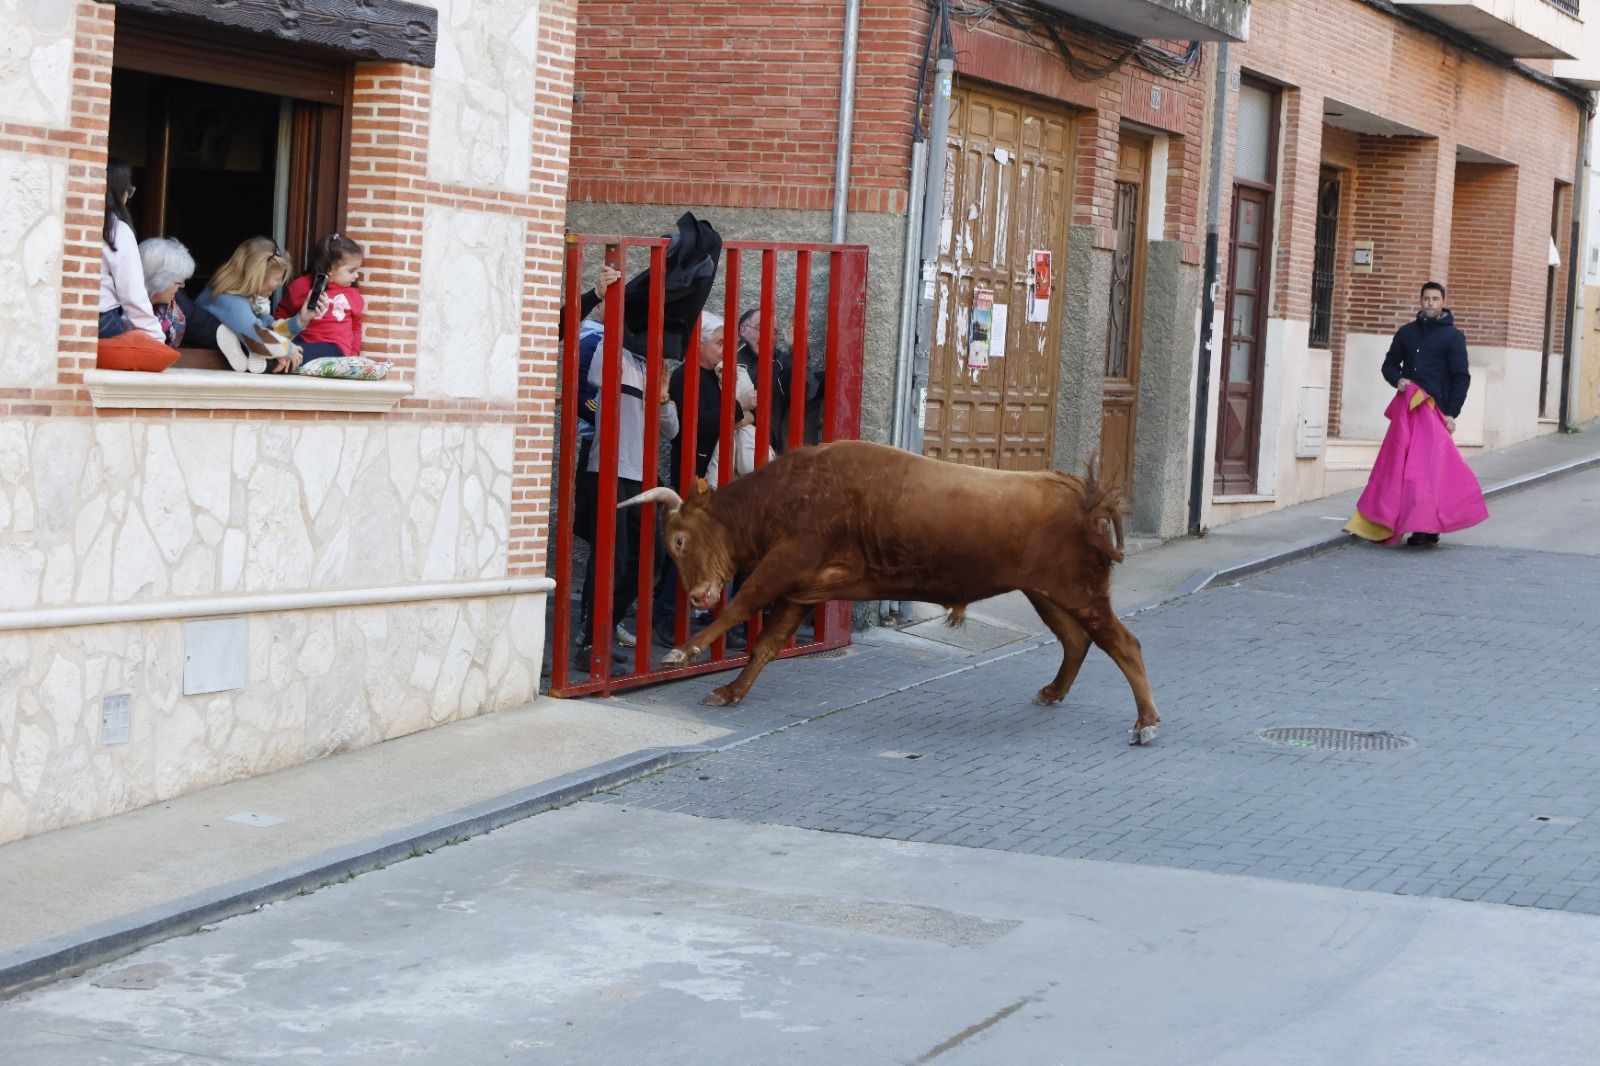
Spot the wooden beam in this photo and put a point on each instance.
(369, 29)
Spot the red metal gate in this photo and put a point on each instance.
(845, 337)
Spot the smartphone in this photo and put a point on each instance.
(319, 285)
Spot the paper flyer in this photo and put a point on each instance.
(1039, 302)
(982, 325)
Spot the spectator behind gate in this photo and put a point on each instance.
(631, 460)
(239, 296)
(709, 423)
(749, 356)
(130, 337)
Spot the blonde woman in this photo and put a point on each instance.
(240, 297)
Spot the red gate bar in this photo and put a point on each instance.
(846, 341)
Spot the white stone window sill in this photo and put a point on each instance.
(227, 390)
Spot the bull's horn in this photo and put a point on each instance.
(660, 494)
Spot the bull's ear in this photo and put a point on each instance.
(702, 487)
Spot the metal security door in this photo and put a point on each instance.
(1007, 192)
(1120, 392)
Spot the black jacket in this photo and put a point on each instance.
(782, 382)
(707, 426)
(1432, 354)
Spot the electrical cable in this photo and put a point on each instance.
(1030, 17)
(917, 132)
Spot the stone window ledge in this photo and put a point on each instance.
(231, 391)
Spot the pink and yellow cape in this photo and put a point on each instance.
(1420, 483)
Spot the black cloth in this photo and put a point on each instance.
(200, 325)
(706, 428)
(782, 386)
(1432, 354)
(624, 558)
(691, 269)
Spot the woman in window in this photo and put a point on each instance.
(130, 336)
(167, 266)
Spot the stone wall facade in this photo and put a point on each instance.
(388, 567)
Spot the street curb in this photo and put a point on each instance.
(1203, 579)
(72, 953)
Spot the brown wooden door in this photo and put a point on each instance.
(1120, 395)
(1007, 191)
(1239, 415)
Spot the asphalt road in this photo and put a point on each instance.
(1027, 889)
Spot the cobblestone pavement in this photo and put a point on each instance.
(1484, 658)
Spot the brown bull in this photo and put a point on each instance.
(860, 521)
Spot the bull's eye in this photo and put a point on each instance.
(678, 541)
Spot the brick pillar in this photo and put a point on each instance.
(1295, 205)
(1086, 304)
(84, 146)
(531, 479)
(388, 164)
(1483, 228)
(1403, 207)
(1094, 190)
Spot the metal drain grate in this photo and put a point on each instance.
(831, 653)
(1325, 739)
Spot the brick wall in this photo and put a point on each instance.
(722, 104)
(1353, 54)
(730, 104)
(1395, 209)
(1480, 256)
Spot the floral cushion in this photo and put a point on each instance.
(357, 367)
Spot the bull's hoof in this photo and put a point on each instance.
(1044, 697)
(675, 657)
(720, 697)
(1145, 734)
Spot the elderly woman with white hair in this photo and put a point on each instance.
(167, 266)
(709, 423)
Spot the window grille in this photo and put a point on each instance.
(1326, 256)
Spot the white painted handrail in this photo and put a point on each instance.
(256, 603)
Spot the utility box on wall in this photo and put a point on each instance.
(1312, 432)
(215, 653)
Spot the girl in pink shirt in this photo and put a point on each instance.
(337, 333)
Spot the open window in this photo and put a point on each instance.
(236, 119)
(230, 135)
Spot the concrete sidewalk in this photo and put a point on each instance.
(78, 897)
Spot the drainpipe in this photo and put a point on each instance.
(901, 426)
(1208, 296)
(944, 73)
(847, 113)
(1575, 263)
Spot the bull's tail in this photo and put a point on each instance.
(1103, 508)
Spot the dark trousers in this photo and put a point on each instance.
(114, 323)
(624, 556)
(320, 350)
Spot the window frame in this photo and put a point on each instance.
(320, 84)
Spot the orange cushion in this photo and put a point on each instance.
(134, 350)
